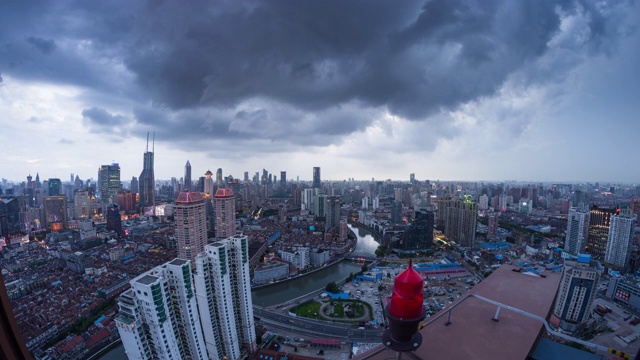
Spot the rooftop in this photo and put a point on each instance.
(147, 279)
(178, 262)
(473, 335)
(188, 197)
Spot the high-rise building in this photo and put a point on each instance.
(9, 216)
(208, 184)
(332, 221)
(191, 224)
(108, 182)
(224, 205)
(187, 177)
(133, 186)
(219, 181)
(577, 230)
(320, 205)
(419, 235)
(54, 187)
(308, 199)
(577, 291)
(114, 222)
(222, 283)
(147, 182)
(84, 205)
(316, 178)
(619, 240)
(599, 220)
(283, 179)
(158, 316)
(492, 226)
(396, 212)
(55, 212)
(460, 216)
(126, 201)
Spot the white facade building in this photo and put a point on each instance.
(158, 316)
(223, 290)
(483, 202)
(620, 239)
(577, 230)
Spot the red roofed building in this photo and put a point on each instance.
(224, 203)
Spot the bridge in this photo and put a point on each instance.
(360, 255)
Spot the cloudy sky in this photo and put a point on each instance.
(451, 90)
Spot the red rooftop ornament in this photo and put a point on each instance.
(405, 312)
(408, 294)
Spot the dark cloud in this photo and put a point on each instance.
(46, 46)
(101, 121)
(300, 73)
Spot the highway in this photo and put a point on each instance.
(316, 328)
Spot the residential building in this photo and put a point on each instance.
(224, 205)
(619, 240)
(332, 221)
(222, 283)
(158, 316)
(191, 224)
(577, 230)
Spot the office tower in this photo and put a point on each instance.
(114, 223)
(224, 298)
(396, 212)
(578, 288)
(191, 224)
(412, 178)
(419, 235)
(283, 179)
(200, 187)
(157, 318)
(577, 230)
(133, 186)
(219, 181)
(460, 220)
(208, 184)
(38, 185)
(619, 240)
(84, 205)
(308, 199)
(492, 226)
(599, 220)
(108, 182)
(246, 176)
(316, 178)
(224, 205)
(146, 181)
(77, 183)
(187, 177)
(9, 216)
(54, 186)
(332, 221)
(320, 205)
(126, 201)
(55, 212)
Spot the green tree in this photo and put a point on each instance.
(381, 250)
(333, 288)
(364, 267)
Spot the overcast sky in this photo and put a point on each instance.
(450, 90)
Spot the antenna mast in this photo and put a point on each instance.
(147, 142)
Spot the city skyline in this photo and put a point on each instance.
(447, 90)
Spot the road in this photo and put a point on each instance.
(316, 328)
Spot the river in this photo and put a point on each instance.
(281, 292)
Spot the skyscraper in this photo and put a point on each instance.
(157, 317)
(224, 204)
(114, 222)
(146, 182)
(577, 290)
(419, 235)
(84, 205)
(191, 224)
(55, 212)
(219, 181)
(134, 185)
(54, 186)
(9, 216)
(126, 201)
(619, 240)
(316, 178)
(108, 182)
(208, 184)
(224, 298)
(460, 216)
(187, 177)
(332, 221)
(599, 220)
(577, 230)
(283, 179)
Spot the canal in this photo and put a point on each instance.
(281, 292)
